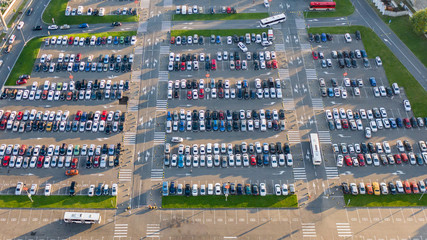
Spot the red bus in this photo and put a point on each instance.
(322, 6)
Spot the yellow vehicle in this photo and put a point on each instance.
(376, 188)
(49, 126)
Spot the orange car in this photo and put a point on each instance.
(369, 189)
(407, 187)
(72, 172)
(415, 188)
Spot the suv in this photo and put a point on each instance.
(73, 188)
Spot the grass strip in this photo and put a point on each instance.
(219, 16)
(342, 9)
(402, 27)
(28, 56)
(394, 69)
(56, 10)
(57, 201)
(221, 32)
(17, 13)
(242, 201)
(399, 200)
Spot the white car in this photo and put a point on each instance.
(20, 25)
(262, 190)
(407, 105)
(277, 190)
(48, 189)
(91, 191)
(19, 187)
(347, 37)
(52, 27)
(378, 61)
(340, 160)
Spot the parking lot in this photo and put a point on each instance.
(111, 7)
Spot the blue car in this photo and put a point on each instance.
(393, 123)
(180, 161)
(182, 126)
(265, 159)
(218, 39)
(222, 126)
(169, 116)
(373, 81)
(116, 40)
(76, 67)
(84, 25)
(364, 54)
(323, 37)
(330, 92)
(87, 69)
(98, 41)
(165, 190)
(212, 83)
(215, 125)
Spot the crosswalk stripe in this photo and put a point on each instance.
(280, 47)
(125, 175)
(164, 49)
(299, 173)
(161, 105)
(157, 174)
(163, 76)
(305, 46)
(300, 23)
(136, 76)
(317, 104)
(120, 230)
(129, 138)
(344, 229)
(283, 73)
(308, 230)
(311, 73)
(133, 106)
(294, 137)
(324, 137)
(153, 231)
(288, 104)
(166, 26)
(332, 173)
(159, 137)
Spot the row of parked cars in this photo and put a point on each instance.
(378, 147)
(263, 39)
(228, 93)
(222, 56)
(225, 125)
(52, 95)
(229, 115)
(386, 159)
(212, 65)
(383, 188)
(226, 189)
(102, 189)
(89, 41)
(226, 84)
(83, 67)
(77, 58)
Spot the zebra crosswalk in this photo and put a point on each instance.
(161, 105)
(164, 49)
(324, 137)
(133, 106)
(311, 73)
(305, 46)
(280, 47)
(125, 175)
(129, 138)
(300, 23)
(288, 104)
(299, 174)
(163, 76)
(156, 174)
(317, 104)
(166, 26)
(153, 231)
(159, 137)
(332, 173)
(308, 230)
(136, 76)
(120, 230)
(294, 137)
(344, 230)
(284, 73)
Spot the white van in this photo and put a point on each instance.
(242, 47)
(178, 10)
(80, 10)
(270, 34)
(395, 88)
(12, 39)
(168, 126)
(266, 3)
(101, 12)
(184, 9)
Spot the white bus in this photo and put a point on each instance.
(266, 22)
(80, 217)
(316, 155)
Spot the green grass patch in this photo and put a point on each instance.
(56, 10)
(61, 201)
(394, 69)
(402, 27)
(233, 201)
(219, 16)
(28, 56)
(221, 32)
(399, 200)
(342, 9)
(16, 13)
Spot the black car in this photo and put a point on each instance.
(116, 24)
(317, 38)
(345, 188)
(98, 190)
(37, 28)
(29, 11)
(329, 37)
(187, 190)
(392, 188)
(73, 188)
(310, 37)
(358, 35)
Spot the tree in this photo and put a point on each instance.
(419, 21)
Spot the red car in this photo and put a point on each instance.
(201, 93)
(19, 116)
(22, 150)
(189, 95)
(78, 115)
(183, 66)
(361, 159)
(44, 94)
(21, 81)
(344, 123)
(221, 93)
(404, 157)
(96, 162)
(274, 64)
(74, 163)
(3, 124)
(237, 65)
(253, 160)
(415, 187)
(213, 66)
(104, 115)
(315, 56)
(348, 160)
(70, 40)
(5, 161)
(69, 96)
(78, 57)
(407, 123)
(397, 158)
(172, 40)
(228, 9)
(40, 161)
(407, 187)
(268, 64)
